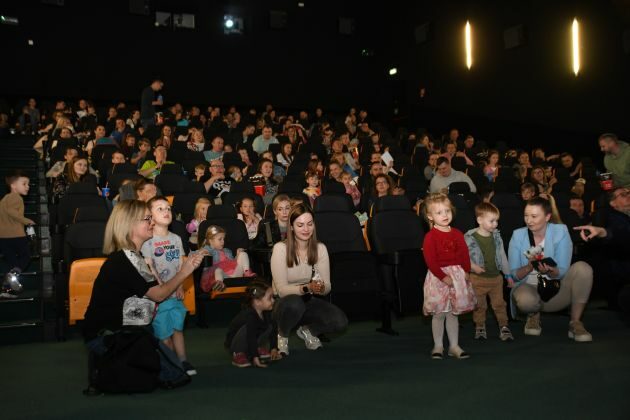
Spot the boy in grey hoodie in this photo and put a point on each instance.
(488, 260)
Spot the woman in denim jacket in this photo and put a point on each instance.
(576, 279)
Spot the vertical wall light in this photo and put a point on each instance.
(575, 34)
(468, 45)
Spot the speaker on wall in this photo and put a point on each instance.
(514, 37)
(423, 33)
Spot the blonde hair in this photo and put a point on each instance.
(279, 199)
(482, 209)
(435, 198)
(200, 202)
(212, 231)
(120, 225)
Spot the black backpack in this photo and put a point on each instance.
(131, 363)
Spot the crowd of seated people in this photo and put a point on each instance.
(285, 156)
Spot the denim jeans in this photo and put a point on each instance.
(317, 314)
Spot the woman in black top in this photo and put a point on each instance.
(124, 291)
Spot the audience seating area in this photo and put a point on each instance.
(377, 267)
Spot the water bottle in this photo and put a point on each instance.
(30, 231)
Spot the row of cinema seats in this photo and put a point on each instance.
(365, 283)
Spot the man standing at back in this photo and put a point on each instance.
(617, 158)
(148, 101)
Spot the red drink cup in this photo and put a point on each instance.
(260, 190)
(606, 182)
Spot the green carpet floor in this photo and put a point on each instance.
(360, 375)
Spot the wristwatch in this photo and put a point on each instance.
(306, 290)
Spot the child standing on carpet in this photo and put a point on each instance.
(163, 254)
(13, 241)
(487, 261)
(224, 265)
(253, 328)
(447, 289)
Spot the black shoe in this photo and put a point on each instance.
(91, 391)
(190, 369)
(181, 381)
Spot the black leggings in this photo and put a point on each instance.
(16, 251)
(319, 315)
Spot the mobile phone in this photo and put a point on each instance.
(549, 261)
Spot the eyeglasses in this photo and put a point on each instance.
(381, 183)
(147, 218)
(217, 166)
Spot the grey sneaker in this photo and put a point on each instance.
(312, 342)
(532, 326)
(283, 345)
(505, 334)
(578, 333)
(480, 332)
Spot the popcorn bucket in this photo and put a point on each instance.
(260, 190)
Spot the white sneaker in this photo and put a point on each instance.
(312, 342)
(283, 345)
(578, 333)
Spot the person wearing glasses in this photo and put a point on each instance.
(218, 184)
(125, 290)
(614, 238)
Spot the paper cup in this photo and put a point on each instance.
(606, 181)
(260, 190)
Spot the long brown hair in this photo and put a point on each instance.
(291, 243)
(71, 175)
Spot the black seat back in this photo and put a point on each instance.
(511, 208)
(464, 218)
(235, 231)
(171, 183)
(394, 226)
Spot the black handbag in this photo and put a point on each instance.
(547, 288)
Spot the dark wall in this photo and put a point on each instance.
(97, 49)
(531, 84)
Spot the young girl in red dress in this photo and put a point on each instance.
(447, 288)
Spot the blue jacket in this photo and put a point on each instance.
(476, 256)
(558, 246)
